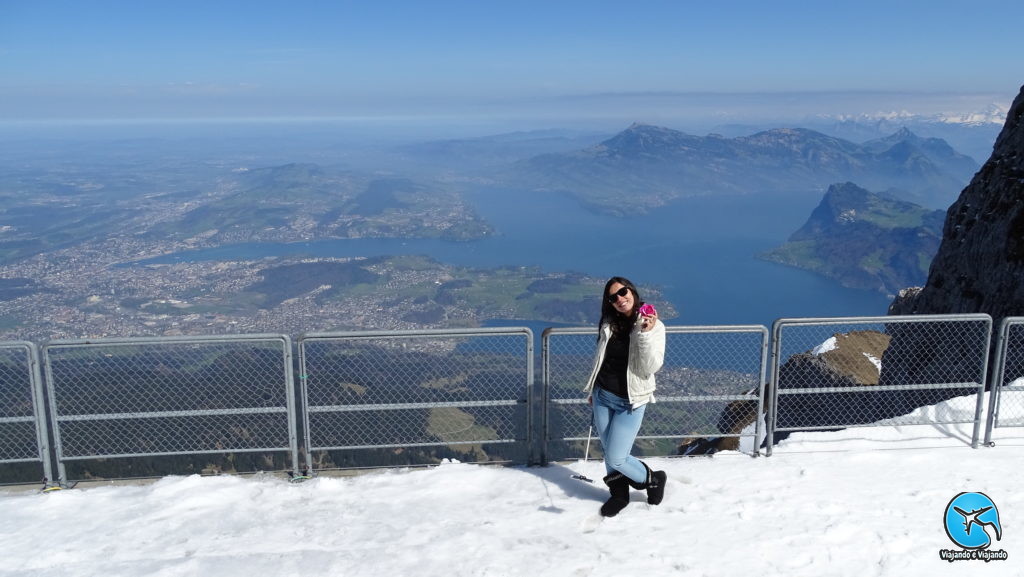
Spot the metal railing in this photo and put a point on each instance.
(23, 429)
(402, 390)
(145, 397)
(386, 398)
(709, 389)
(1006, 395)
(847, 372)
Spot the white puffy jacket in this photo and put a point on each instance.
(646, 355)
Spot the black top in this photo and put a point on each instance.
(612, 375)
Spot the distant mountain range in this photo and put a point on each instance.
(647, 166)
(865, 240)
(471, 154)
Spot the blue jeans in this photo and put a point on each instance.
(617, 425)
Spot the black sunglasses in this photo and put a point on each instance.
(614, 297)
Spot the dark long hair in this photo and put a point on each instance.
(621, 324)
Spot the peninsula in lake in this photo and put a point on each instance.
(865, 240)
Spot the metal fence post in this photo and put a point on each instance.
(1007, 369)
(25, 435)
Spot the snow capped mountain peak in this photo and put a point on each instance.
(992, 114)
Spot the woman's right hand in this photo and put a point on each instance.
(647, 322)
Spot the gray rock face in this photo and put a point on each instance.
(979, 267)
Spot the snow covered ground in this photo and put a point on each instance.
(860, 502)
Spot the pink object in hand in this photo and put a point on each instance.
(647, 311)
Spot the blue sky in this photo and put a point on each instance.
(210, 59)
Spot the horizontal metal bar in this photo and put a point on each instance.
(171, 414)
(4, 420)
(704, 398)
(404, 406)
(875, 388)
(403, 445)
(262, 337)
(889, 422)
(700, 329)
(883, 320)
(16, 345)
(171, 454)
(669, 399)
(568, 401)
(32, 460)
(716, 435)
(483, 331)
(692, 436)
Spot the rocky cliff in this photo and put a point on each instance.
(979, 267)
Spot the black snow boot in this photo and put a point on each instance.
(618, 486)
(654, 485)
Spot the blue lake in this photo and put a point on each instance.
(701, 253)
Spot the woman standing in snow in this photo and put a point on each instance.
(630, 349)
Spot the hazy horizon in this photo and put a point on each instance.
(839, 114)
(528, 65)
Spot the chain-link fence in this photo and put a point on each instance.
(709, 391)
(845, 372)
(23, 431)
(1006, 397)
(113, 398)
(391, 398)
(385, 398)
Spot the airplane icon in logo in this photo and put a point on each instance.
(971, 519)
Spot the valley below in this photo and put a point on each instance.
(170, 238)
